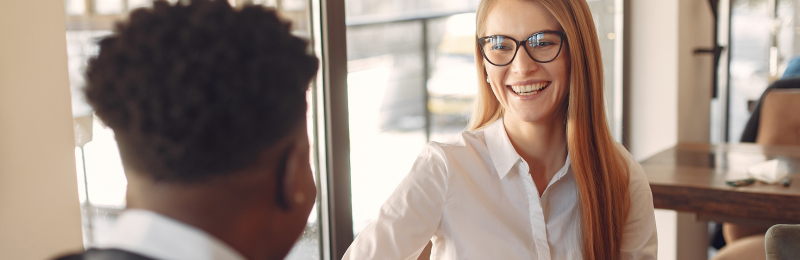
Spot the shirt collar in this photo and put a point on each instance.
(156, 236)
(503, 154)
(563, 171)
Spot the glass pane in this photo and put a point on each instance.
(788, 35)
(293, 5)
(75, 7)
(81, 180)
(108, 6)
(358, 8)
(102, 182)
(604, 14)
(80, 46)
(386, 110)
(105, 177)
(133, 4)
(101, 178)
(387, 85)
(453, 84)
(751, 22)
(269, 3)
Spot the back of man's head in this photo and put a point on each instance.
(199, 90)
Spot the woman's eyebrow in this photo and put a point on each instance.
(535, 32)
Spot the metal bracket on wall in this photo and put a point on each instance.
(716, 50)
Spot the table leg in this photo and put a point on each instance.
(692, 237)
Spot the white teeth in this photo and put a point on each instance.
(531, 89)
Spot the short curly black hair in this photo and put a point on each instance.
(199, 90)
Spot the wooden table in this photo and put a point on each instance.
(690, 177)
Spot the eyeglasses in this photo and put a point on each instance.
(542, 47)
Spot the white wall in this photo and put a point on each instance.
(669, 85)
(39, 208)
(695, 31)
(669, 91)
(653, 82)
(653, 76)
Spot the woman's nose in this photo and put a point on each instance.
(523, 64)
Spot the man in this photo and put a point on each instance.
(208, 105)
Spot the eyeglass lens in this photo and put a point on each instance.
(541, 47)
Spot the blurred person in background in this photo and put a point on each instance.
(208, 105)
(537, 175)
(792, 69)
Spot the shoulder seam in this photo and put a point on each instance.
(440, 151)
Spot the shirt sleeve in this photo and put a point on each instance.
(639, 239)
(411, 215)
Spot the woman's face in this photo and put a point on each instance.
(519, 20)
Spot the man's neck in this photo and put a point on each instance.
(225, 209)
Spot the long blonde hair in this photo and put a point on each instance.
(600, 170)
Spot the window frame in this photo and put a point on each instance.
(331, 104)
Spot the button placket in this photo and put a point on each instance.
(538, 226)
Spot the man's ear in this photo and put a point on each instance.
(286, 176)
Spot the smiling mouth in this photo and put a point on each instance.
(530, 89)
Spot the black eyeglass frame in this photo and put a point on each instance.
(561, 35)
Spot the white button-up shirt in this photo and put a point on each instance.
(474, 197)
(156, 236)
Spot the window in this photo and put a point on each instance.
(402, 58)
(763, 39)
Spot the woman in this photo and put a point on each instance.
(537, 176)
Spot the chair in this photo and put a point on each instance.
(751, 129)
(783, 242)
(780, 125)
(780, 118)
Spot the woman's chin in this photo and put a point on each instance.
(525, 116)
